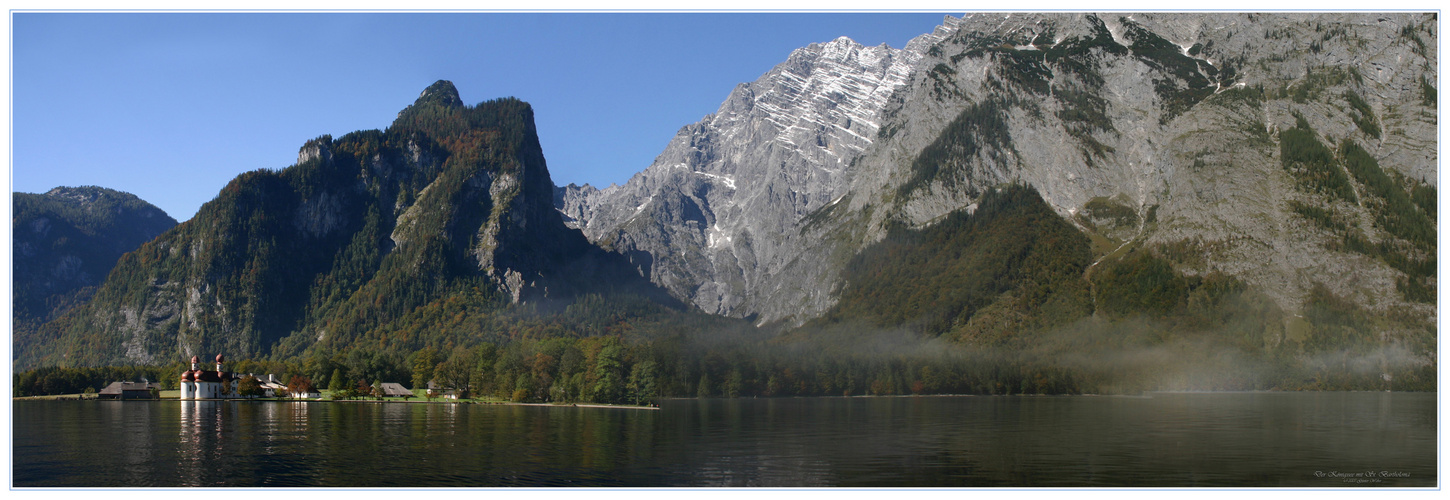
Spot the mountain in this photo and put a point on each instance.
(705, 220)
(368, 240)
(1040, 203)
(1214, 139)
(1215, 167)
(65, 242)
(1114, 119)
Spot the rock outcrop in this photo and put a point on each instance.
(1158, 131)
(707, 220)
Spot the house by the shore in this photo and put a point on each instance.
(271, 387)
(130, 390)
(436, 389)
(395, 390)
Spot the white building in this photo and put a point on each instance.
(203, 384)
(271, 387)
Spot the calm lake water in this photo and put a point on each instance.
(1165, 440)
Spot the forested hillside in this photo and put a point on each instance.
(382, 241)
(66, 241)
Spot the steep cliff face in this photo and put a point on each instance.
(706, 219)
(1267, 147)
(1292, 152)
(66, 240)
(451, 203)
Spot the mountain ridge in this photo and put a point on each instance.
(791, 134)
(328, 252)
(1230, 194)
(66, 240)
(1109, 105)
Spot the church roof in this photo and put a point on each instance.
(212, 376)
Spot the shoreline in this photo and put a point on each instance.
(79, 397)
(1144, 394)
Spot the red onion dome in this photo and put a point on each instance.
(188, 376)
(196, 359)
(220, 358)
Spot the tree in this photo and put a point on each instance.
(543, 378)
(643, 388)
(608, 375)
(454, 372)
(300, 386)
(423, 363)
(250, 387)
(734, 384)
(338, 384)
(703, 389)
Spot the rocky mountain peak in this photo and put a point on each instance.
(846, 50)
(93, 207)
(449, 201)
(706, 219)
(319, 148)
(1175, 122)
(441, 92)
(1172, 122)
(82, 194)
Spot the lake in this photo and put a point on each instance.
(1161, 440)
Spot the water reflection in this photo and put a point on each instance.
(1166, 440)
(200, 448)
(189, 461)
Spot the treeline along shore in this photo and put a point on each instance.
(649, 363)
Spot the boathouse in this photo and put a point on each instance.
(129, 390)
(395, 390)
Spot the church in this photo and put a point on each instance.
(202, 384)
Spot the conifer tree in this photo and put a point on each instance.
(338, 383)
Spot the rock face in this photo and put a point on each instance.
(1158, 131)
(1179, 115)
(451, 207)
(706, 219)
(66, 241)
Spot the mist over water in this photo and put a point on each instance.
(1307, 439)
(1131, 355)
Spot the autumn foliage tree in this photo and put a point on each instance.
(299, 386)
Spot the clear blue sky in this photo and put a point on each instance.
(172, 106)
